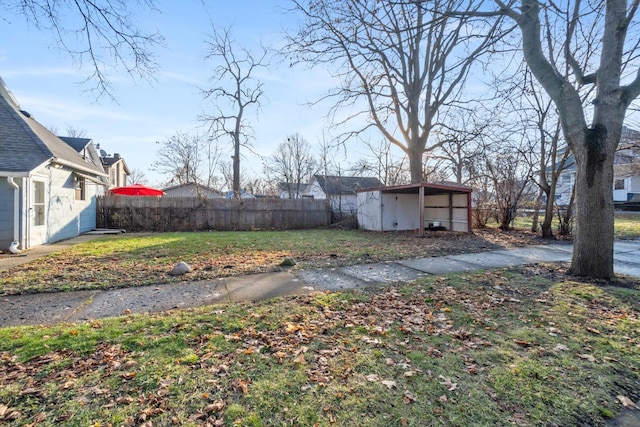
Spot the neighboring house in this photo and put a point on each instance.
(288, 190)
(116, 168)
(243, 195)
(192, 190)
(47, 187)
(89, 151)
(626, 171)
(341, 191)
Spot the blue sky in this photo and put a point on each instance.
(47, 83)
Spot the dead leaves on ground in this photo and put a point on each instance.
(321, 341)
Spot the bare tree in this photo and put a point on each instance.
(293, 164)
(237, 67)
(179, 158)
(587, 30)
(74, 132)
(137, 176)
(400, 63)
(459, 137)
(552, 154)
(382, 164)
(102, 33)
(509, 173)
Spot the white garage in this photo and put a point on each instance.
(407, 207)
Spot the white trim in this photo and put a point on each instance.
(78, 167)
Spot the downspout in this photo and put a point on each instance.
(16, 208)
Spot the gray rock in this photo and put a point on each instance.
(180, 269)
(288, 262)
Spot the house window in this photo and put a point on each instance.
(38, 202)
(619, 184)
(80, 188)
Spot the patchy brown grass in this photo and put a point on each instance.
(143, 259)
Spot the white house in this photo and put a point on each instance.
(192, 189)
(626, 170)
(341, 191)
(47, 187)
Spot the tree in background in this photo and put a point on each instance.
(382, 164)
(100, 33)
(189, 158)
(459, 135)
(237, 67)
(178, 158)
(400, 63)
(292, 165)
(137, 176)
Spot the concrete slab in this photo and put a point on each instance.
(439, 265)
(256, 287)
(627, 257)
(42, 309)
(490, 259)
(626, 269)
(542, 253)
(382, 273)
(330, 280)
(626, 246)
(564, 247)
(149, 299)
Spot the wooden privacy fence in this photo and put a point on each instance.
(197, 214)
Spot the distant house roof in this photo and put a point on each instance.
(26, 144)
(336, 185)
(243, 195)
(192, 186)
(293, 186)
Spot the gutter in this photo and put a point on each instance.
(16, 208)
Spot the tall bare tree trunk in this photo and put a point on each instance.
(545, 226)
(593, 241)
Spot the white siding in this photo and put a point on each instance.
(65, 216)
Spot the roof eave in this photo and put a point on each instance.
(78, 167)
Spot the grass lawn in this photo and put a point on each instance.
(626, 225)
(143, 259)
(523, 346)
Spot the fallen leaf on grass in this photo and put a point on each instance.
(626, 402)
(446, 381)
(560, 347)
(522, 343)
(216, 406)
(388, 383)
(408, 397)
(373, 378)
(588, 357)
(8, 414)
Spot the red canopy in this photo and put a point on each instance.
(137, 190)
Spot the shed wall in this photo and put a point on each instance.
(387, 211)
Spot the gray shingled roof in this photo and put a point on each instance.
(25, 144)
(335, 185)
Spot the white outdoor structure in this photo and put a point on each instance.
(406, 207)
